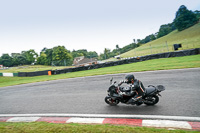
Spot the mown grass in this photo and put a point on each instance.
(189, 38)
(150, 65)
(43, 127)
(31, 68)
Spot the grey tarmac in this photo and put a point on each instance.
(85, 95)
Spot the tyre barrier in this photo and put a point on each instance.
(31, 74)
(130, 60)
(114, 63)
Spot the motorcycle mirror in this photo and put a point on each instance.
(111, 80)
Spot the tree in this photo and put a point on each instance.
(197, 13)
(30, 56)
(49, 56)
(117, 46)
(62, 56)
(1, 61)
(92, 54)
(117, 50)
(6, 60)
(184, 18)
(78, 53)
(165, 29)
(85, 53)
(152, 37)
(45, 57)
(42, 59)
(138, 41)
(15, 59)
(106, 53)
(18, 59)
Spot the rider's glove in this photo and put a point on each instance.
(132, 87)
(121, 82)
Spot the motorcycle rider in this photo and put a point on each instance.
(135, 85)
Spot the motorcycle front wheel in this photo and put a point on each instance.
(111, 101)
(151, 100)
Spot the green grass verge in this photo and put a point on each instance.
(43, 127)
(150, 65)
(32, 68)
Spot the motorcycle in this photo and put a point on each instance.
(117, 94)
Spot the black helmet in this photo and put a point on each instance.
(129, 78)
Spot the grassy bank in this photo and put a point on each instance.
(43, 127)
(150, 65)
(189, 38)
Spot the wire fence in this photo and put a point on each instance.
(155, 49)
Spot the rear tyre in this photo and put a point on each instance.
(111, 101)
(151, 100)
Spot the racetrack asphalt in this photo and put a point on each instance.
(82, 100)
(85, 96)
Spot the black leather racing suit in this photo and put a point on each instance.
(138, 87)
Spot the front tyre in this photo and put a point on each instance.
(111, 101)
(151, 100)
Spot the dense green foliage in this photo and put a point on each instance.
(56, 56)
(108, 53)
(84, 52)
(60, 56)
(165, 29)
(185, 18)
(6, 60)
(197, 13)
(23, 58)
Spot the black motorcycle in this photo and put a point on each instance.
(117, 94)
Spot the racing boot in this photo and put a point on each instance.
(135, 100)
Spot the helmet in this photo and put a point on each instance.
(129, 78)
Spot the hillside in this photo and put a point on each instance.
(189, 38)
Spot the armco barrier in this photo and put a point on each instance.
(114, 63)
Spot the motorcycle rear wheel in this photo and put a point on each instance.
(151, 100)
(111, 101)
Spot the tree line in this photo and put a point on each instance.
(184, 19)
(60, 56)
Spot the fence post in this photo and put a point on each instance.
(151, 48)
(167, 46)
